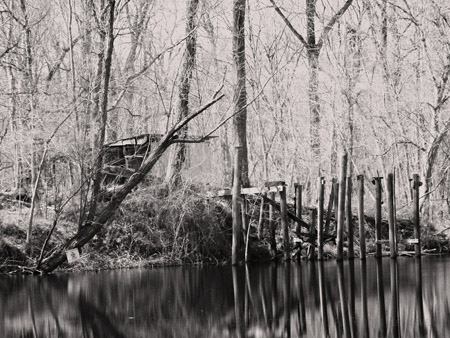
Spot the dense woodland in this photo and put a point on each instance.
(295, 83)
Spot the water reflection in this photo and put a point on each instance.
(380, 298)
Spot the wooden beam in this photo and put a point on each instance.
(289, 214)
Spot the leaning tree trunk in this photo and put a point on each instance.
(88, 231)
(101, 118)
(178, 152)
(240, 93)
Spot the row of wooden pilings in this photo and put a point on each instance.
(341, 194)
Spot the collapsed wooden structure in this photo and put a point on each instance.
(317, 230)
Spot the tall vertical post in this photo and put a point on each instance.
(349, 218)
(284, 223)
(262, 213)
(236, 207)
(391, 211)
(378, 195)
(272, 225)
(312, 232)
(416, 186)
(362, 230)
(341, 209)
(320, 230)
(330, 206)
(298, 205)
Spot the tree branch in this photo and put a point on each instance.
(289, 24)
(332, 22)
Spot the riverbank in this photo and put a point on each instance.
(154, 228)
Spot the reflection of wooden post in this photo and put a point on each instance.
(341, 209)
(349, 219)
(419, 298)
(416, 186)
(272, 225)
(362, 230)
(395, 320)
(381, 303)
(298, 205)
(343, 298)
(284, 223)
(364, 309)
(312, 232)
(236, 201)
(351, 305)
(378, 235)
(391, 211)
(287, 301)
(238, 310)
(323, 300)
(321, 190)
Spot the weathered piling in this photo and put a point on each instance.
(362, 229)
(312, 232)
(320, 230)
(341, 209)
(377, 181)
(298, 205)
(336, 199)
(272, 225)
(349, 219)
(343, 298)
(284, 222)
(419, 298)
(364, 307)
(416, 211)
(330, 206)
(391, 212)
(236, 208)
(262, 214)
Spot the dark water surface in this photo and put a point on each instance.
(388, 298)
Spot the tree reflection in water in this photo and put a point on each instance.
(380, 298)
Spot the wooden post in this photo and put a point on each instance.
(395, 318)
(298, 205)
(362, 230)
(381, 303)
(284, 223)
(391, 211)
(323, 300)
(321, 190)
(272, 225)
(341, 209)
(312, 231)
(330, 206)
(349, 219)
(236, 207)
(262, 214)
(378, 195)
(336, 200)
(416, 186)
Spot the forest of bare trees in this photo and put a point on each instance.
(294, 83)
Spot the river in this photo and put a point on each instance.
(406, 297)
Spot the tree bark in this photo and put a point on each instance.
(178, 152)
(240, 92)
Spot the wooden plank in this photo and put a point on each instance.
(382, 241)
(289, 214)
(412, 241)
(245, 191)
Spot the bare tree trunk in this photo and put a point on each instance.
(178, 152)
(240, 92)
(101, 118)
